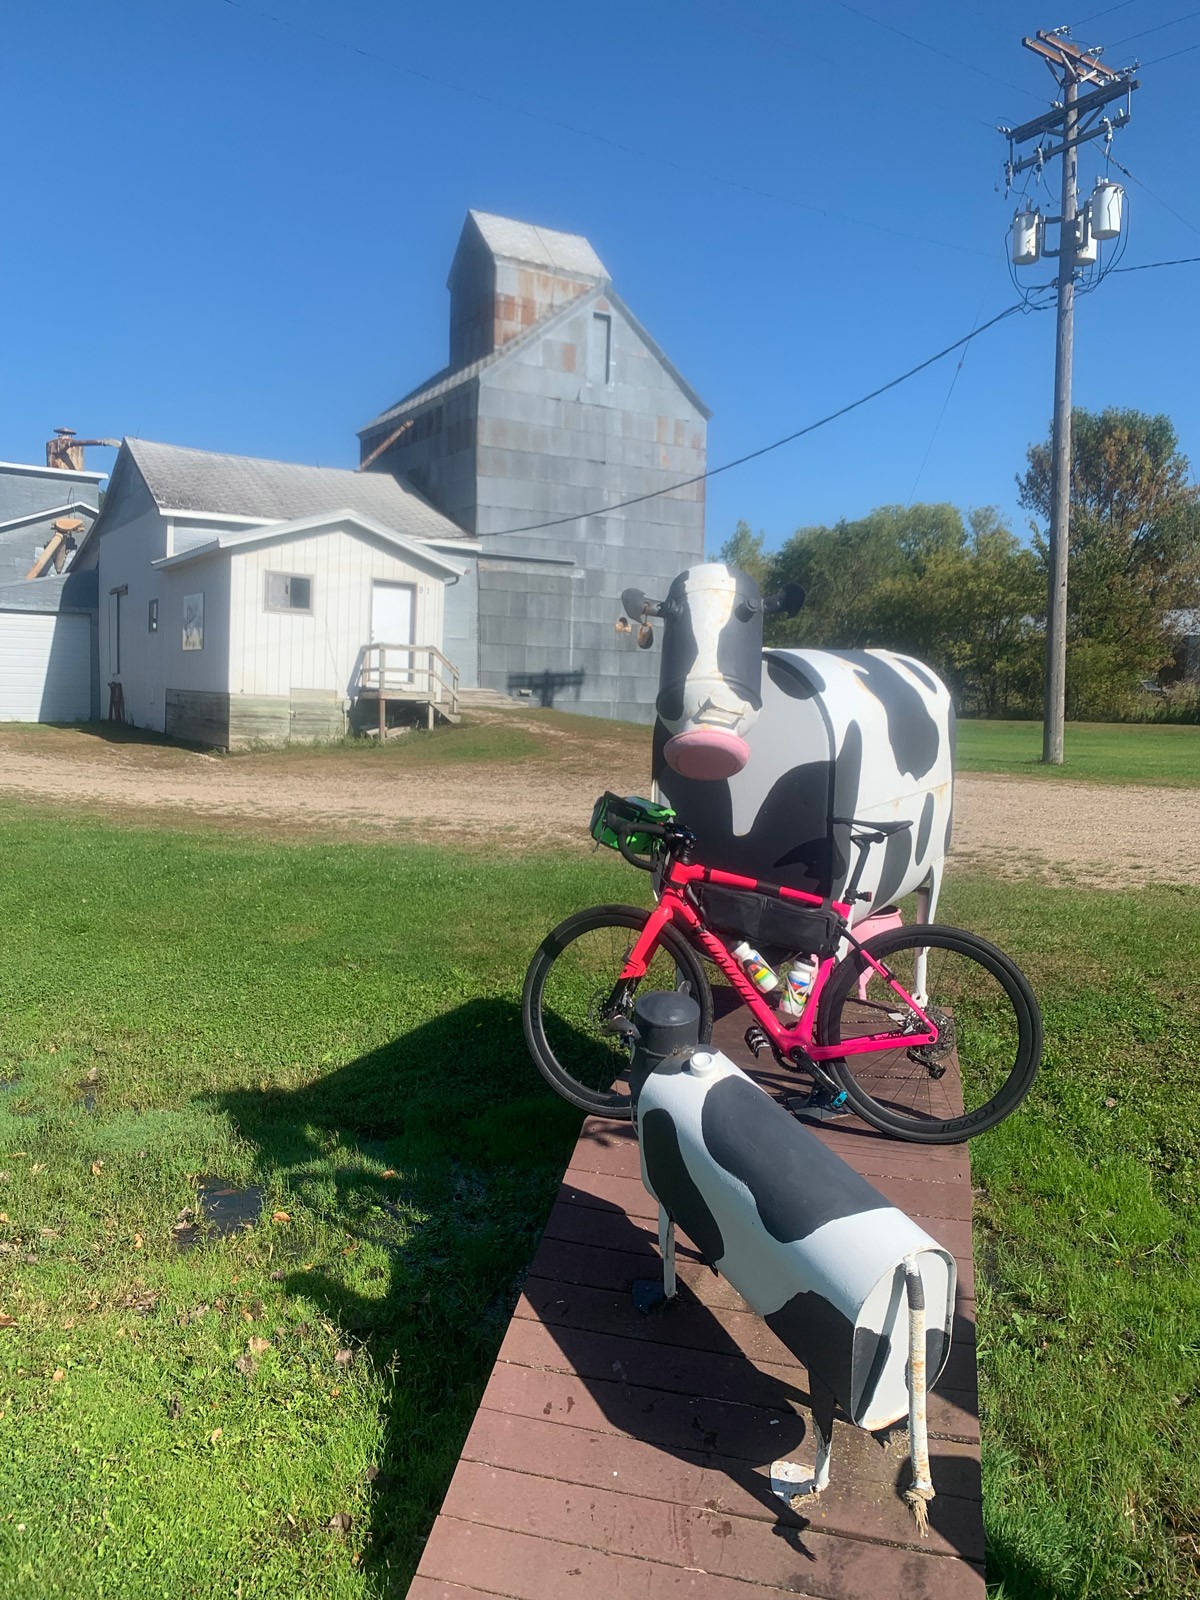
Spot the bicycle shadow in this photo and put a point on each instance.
(455, 1112)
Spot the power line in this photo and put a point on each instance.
(806, 205)
(1096, 15)
(726, 19)
(924, 45)
(766, 449)
(1179, 217)
(1146, 32)
(1187, 50)
(1148, 266)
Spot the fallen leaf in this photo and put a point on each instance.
(215, 1435)
(138, 1241)
(343, 1358)
(390, 1173)
(341, 1522)
(246, 1365)
(59, 1375)
(256, 1345)
(68, 1324)
(4, 1216)
(53, 1049)
(174, 1407)
(93, 1074)
(278, 1275)
(97, 1168)
(38, 1166)
(280, 1216)
(6, 1321)
(335, 1391)
(1109, 1101)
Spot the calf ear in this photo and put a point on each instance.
(789, 600)
(634, 601)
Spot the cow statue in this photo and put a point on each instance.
(853, 1287)
(761, 752)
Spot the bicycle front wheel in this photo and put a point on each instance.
(575, 1017)
(989, 1044)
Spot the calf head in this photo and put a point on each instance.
(709, 683)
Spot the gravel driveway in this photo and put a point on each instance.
(1087, 833)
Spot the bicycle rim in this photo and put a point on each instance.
(573, 1032)
(989, 1035)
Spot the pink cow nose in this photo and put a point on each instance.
(706, 753)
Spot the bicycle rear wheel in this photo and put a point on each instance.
(573, 1020)
(989, 1043)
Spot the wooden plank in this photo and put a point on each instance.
(863, 1497)
(592, 1268)
(698, 1539)
(423, 1588)
(718, 1375)
(922, 1200)
(685, 1324)
(611, 1229)
(541, 1569)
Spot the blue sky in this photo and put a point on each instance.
(234, 233)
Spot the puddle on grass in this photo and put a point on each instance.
(222, 1209)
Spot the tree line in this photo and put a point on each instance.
(968, 596)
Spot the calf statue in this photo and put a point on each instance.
(760, 751)
(853, 1287)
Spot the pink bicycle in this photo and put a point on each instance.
(929, 1033)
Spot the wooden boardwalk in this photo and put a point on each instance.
(615, 1454)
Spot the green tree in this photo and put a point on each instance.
(744, 550)
(1134, 551)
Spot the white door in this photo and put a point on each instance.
(45, 667)
(393, 614)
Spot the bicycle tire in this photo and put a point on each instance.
(989, 1030)
(548, 1044)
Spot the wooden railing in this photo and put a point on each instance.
(409, 672)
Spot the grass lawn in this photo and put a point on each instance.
(1104, 752)
(277, 1412)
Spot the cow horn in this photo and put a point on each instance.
(645, 636)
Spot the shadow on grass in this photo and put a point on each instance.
(454, 1110)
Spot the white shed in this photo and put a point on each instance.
(48, 649)
(275, 632)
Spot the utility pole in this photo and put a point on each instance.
(1074, 120)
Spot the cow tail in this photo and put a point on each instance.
(921, 1490)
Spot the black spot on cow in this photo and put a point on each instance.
(912, 732)
(949, 829)
(952, 721)
(799, 681)
(920, 673)
(937, 1349)
(739, 643)
(679, 650)
(788, 841)
(797, 1184)
(897, 854)
(675, 1187)
(847, 778)
(925, 826)
(830, 1346)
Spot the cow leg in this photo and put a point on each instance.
(927, 899)
(822, 1415)
(666, 1243)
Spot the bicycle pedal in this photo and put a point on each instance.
(757, 1041)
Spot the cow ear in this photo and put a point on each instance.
(634, 602)
(789, 600)
(645, 637)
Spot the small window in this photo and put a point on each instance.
(600, 349)
(154, 616)
(286, 592)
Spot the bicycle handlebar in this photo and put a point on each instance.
(646, 863)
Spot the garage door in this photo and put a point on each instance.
(45, 667)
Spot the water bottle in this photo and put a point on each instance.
(798, 987)
(757, 970)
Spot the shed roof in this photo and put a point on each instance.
(182, 479)
(62, 591)
(539, 247)
(296, 528)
